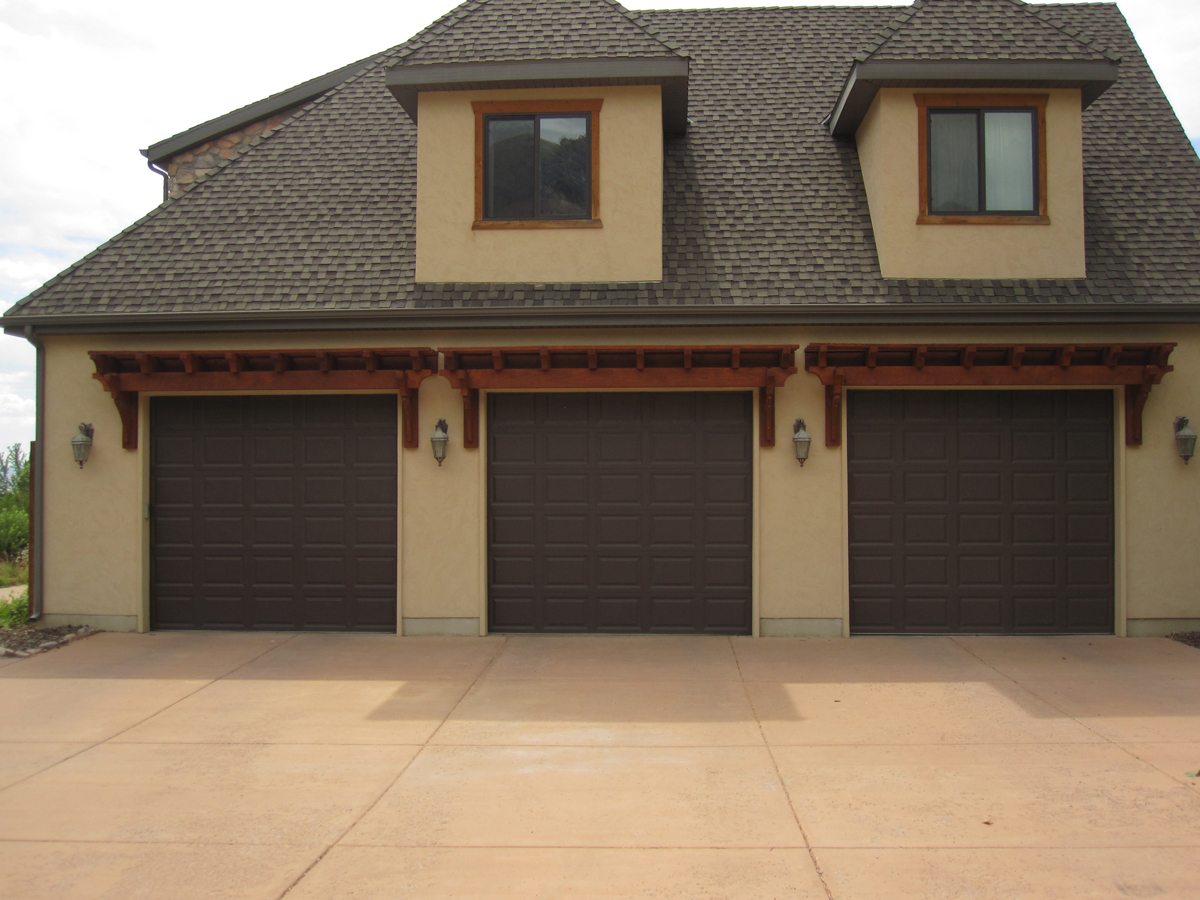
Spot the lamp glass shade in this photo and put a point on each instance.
(802, 441)
(1185, 439)
(439, 439)
(81, 444)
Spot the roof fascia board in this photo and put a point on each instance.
(671, 72)
(608, 317)
(866, 78)
(260, 109)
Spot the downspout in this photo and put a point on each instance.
(166, 178)
(37, 558)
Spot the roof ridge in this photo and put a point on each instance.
(1019, 6)
(889, 31)
(1075, 35)
(421, 38)
(641, 23)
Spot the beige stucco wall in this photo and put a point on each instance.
(96, 538)
(627, 248)
(887, 150)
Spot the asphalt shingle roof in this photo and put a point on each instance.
(977, 30)
(502, 30)
(762, 206)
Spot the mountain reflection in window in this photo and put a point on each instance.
(538, 167)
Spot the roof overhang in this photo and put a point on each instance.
(772, 313)
(671, 72)
(866, 78)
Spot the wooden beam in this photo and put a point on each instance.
(127, 374)
(766, 416)
(471, 419)
(1136, 367)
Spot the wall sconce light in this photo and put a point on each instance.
(81, 444)
(1185, 439)
(802, 439)
(439, 439)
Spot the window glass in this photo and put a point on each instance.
(537, 167)
(564, 166)
(1008, 160)
(953, 162)
(510, 173)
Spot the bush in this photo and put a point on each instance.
(14, 532)
(15, 612)
(14, 503)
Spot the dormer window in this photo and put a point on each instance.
(982, 159)
(537, 164)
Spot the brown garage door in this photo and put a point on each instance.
(619, 512)
(273, 512)
(981, 511)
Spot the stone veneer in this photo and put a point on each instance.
(187, 169)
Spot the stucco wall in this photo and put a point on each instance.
(887, 150)
(627, 248)
(96, 540)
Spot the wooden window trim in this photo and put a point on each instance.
(484, 108)
(925, 102)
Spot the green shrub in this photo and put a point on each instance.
(15, 612)
(14, 532)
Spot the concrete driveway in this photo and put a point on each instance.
(320, 765)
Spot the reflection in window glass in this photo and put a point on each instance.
(509, 178)
(537, 167)
(1008, 155)
(564, 167)
(953, 162)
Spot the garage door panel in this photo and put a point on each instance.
(866, 528)
(1025, 494)
(641, 488)
(925, 487)
(979, 446)
(980, 487)
(271, 487)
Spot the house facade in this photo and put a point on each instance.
(560, 318)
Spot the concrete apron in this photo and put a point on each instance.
(541, 766)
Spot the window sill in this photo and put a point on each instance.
(533, 224)
(983, 220)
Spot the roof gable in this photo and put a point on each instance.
(508, 30)
(989, 30)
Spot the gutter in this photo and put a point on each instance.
(585, 316)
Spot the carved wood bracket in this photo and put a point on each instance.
(763, 368)
(1136, 367)
(126, 374)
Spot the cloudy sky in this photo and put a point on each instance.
(85, 85)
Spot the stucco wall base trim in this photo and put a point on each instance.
(104, 623)
(800, 627)
(468, 627)
(1159, 627)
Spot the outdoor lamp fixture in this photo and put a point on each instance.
(81, 444)
(439, 439)
(1185, 439)
(802, 439)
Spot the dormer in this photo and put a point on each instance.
(540, 156)
(968, 118)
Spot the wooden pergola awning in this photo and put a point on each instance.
(1136, 367)
(125, 374)
(606, 368)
